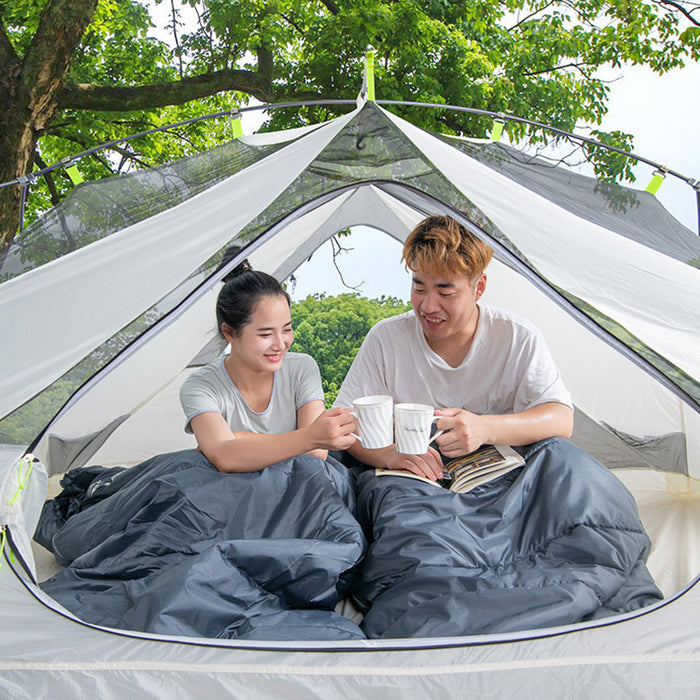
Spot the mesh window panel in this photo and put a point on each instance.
(632, 213)
(370, 148)
(94, 210)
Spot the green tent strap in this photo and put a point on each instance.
(656, 180)
(237, 124)
(74, 174)
(369, 72)
(23, 478)
(497, 129)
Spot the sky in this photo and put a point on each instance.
(663, 113)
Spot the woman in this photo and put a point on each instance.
(260, 404)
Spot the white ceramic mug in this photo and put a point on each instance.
(412, 424)
(374, 415)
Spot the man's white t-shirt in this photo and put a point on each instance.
(210, 388)
(508, 368)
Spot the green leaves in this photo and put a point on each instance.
(608, 165)
(331, 330)
(535, 59)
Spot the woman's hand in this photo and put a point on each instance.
(333, 429)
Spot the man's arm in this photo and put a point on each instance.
(466, 432)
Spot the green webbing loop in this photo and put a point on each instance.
(369, 72)
(237, 126)
(497, 129)
(28, 459)
(74, 174)
(656, 180)
(3, 539)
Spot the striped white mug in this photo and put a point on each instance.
(375, 420)
(412, 425)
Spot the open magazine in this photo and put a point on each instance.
(465, 473)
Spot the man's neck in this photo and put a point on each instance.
(455, 348)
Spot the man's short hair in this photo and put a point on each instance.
(441, 246)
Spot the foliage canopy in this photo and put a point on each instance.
(78, 73)
(331, 329)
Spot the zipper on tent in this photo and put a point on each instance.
(11, 553)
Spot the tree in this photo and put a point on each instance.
(77, 73)
(331, 329)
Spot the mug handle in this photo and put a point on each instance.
(357, 437)
(438, 434)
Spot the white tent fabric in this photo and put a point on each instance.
(643, 656)
(121, 272)
(280, 209)
(567, 250)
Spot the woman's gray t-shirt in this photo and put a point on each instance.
(210, 389)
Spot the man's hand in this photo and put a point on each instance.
(464, 432)
(428, 465)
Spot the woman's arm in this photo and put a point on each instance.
(232, 451)
(306, 415)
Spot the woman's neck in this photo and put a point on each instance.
(254, 387)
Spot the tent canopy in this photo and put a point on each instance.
(133, 254)
(106, 305)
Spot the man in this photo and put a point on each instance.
(489, 373)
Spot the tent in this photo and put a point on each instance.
(106, 305)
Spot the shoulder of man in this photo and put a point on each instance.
(392, 323)
(506, 321)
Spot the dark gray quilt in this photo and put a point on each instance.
(174, 547)
(556, 542)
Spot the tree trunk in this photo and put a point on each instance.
(17, 145)
(29, 89)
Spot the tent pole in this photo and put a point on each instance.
(281, 105)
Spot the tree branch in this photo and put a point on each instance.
(174, 14)
(331, 6)
(117, 98)
(7, 51)
(681, 9)
(10, 64)
(50, 53)
(553, 69)
(48, 178)
(532, 14)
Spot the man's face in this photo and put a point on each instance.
(446, 306)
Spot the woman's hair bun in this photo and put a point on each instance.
(239, 269)
(230, 253)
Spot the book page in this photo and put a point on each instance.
(403, 472)
(486, 463)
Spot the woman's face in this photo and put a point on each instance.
(262, 344)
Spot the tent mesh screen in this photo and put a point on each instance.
(94, 210)
(368, 149)
(632, 213)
